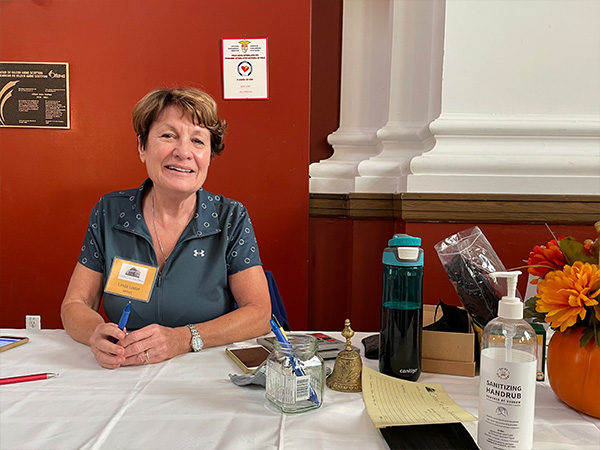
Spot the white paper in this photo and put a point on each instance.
(245, 68)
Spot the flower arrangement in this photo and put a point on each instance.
(568, 285)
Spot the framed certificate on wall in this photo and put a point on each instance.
(34, 95)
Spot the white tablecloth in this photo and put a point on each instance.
(190, 403)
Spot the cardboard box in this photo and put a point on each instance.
(448, 353)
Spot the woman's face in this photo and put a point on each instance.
(177, 152)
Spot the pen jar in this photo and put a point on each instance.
(295, 375)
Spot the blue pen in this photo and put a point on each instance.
(123, 320)
(299, 371)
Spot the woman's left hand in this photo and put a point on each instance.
(152, 344)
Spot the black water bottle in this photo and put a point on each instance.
(402, 308)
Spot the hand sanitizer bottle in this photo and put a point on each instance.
(507, 375)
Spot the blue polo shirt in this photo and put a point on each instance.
(192, 287)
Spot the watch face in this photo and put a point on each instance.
(197, 343)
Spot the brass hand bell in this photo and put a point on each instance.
(347, 371)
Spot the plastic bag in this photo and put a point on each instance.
(468, 259)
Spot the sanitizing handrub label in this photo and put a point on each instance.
(507, 400)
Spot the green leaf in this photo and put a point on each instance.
(530, 313)
(587, 336)
(574, 251)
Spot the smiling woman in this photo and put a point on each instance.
(177, 155)
(201, 246)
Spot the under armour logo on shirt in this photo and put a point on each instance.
(198, 253)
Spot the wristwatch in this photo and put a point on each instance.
(197, 342)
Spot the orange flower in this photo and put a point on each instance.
(564, 294)
(549, 256)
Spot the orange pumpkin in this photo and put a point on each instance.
(574, 371)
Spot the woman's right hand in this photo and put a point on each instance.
(108, 354)
(80, 317)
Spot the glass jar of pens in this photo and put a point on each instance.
(295, 373)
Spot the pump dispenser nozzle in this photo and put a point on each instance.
(510, 306)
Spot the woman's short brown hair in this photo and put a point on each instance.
(198, 104)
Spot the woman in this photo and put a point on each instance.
(201, 247)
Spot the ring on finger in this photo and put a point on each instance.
(147, 357)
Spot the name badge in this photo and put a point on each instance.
(131, 279)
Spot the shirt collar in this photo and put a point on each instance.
(205, 221)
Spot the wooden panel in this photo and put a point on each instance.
(371, 206)
(328, 205)
(460, 208)
(500, 208)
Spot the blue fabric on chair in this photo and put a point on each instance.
(277, 307)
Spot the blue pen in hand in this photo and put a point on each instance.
(123, 320)
(299, 371)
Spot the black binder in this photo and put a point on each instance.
(443, 436)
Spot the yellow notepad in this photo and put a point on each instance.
(391, 401)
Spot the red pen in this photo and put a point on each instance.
(22, 379)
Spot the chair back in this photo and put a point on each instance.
(277, 306)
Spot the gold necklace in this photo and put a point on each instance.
(162, 250)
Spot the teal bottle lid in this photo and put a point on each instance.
(403, 251)
(404, 240)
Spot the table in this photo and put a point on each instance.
(190, 403)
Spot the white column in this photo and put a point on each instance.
(520, 100)
(364, 95)
(415, 95)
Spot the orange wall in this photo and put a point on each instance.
(345, 272)
(325, 77)
(117, 51)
